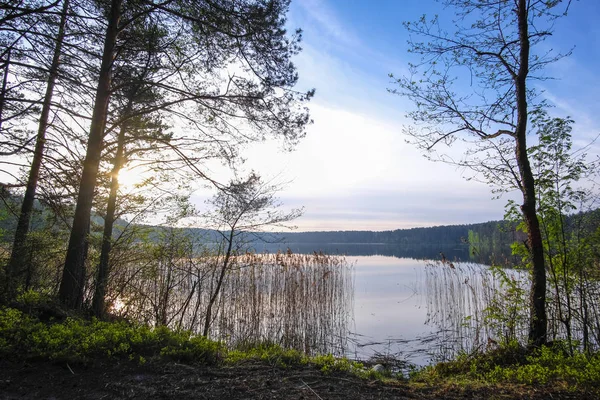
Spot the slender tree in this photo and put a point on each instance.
(245, 207)
(146, 129)
(73, 279)
(17, 259)
(496, 48)
(558, 168)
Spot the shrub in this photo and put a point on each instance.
(515, 364)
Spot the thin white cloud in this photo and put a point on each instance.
(328, 23)
(354, 169)
(389, 210)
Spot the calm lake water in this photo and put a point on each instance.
(407, 307)
(390, 307)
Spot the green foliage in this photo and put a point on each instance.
(507, 310)
(567, 239)
(513, 363)
(266, 352)
(15, 327)
(282, 357)
(474, 243)
(550, 366)
(31, 298)
(329, 364)
(185, 348)
(80, 341)
(39, 305)
(45, 257)
(77, 340)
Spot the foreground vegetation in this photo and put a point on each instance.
(547, 365)
(46, 334)
(180, 298)
(38, 331)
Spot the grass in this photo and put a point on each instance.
(78, 340)
(514, 364)
(26, 336)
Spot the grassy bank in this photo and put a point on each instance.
(39, 335)
(36, 335)
(545, 366)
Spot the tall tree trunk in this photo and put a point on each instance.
(73, 279)
(4, 84)
(18, 254)
(98, 303)
(538, 324)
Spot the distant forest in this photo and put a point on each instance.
(486, 237)
(499, 232)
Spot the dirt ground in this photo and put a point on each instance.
(44, 380)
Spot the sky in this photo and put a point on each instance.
(354, 169)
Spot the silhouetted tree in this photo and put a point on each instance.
(245, 207)
(495, 47)
(17, 259)
(207, 38)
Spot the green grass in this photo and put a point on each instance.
(274, 354)
(79, 341)
(545, 366)
(25, 335)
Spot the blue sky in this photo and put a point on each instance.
(354, 169)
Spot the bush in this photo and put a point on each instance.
(549, 365)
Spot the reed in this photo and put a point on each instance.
(298, 301)
(475, 308)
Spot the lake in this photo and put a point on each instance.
(406, 307)
(390, 308)
(377, 301)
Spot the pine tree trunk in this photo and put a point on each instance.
(18, 255)
(98, 303)
(4, 84)
(73, 279)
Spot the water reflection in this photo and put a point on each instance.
(361, 306)
(420, 310)
(389, 307)
(460, 252)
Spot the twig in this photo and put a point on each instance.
(315, 393)
(70, 369)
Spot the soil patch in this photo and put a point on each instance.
(125, 380)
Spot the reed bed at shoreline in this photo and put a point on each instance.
(464, 301)
(297, 301)
(476, 308)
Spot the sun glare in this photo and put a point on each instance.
(117, 305)
(128, 178)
